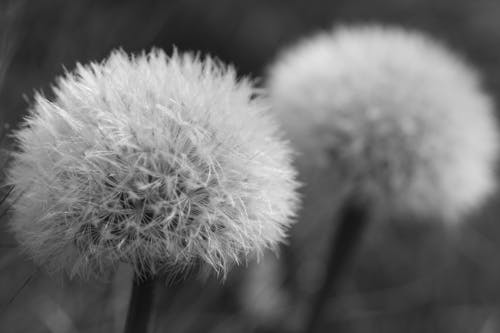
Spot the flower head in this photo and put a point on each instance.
(162, 162)
(396, 116)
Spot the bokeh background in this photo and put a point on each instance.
(408, 276)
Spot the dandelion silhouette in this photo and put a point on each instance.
(165, 163)
(402, 122)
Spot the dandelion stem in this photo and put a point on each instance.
(140, 305)
(353, 218)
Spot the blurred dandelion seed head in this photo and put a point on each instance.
(396, 115)
(161, 162)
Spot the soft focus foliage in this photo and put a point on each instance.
(396, 116)
(166, 163)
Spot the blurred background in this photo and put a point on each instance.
(408, 276)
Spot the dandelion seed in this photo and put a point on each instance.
(402, 124)
(157, 161)
(397, 117)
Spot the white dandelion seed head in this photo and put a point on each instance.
(395, 114)
(166, 163)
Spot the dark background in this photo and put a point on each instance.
(409, 276)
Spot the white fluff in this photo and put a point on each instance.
(167, 163)
(394, 114)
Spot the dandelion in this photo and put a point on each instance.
(401, 121)
(165, 163)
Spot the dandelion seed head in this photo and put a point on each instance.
(396, 115)
(166, 163)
